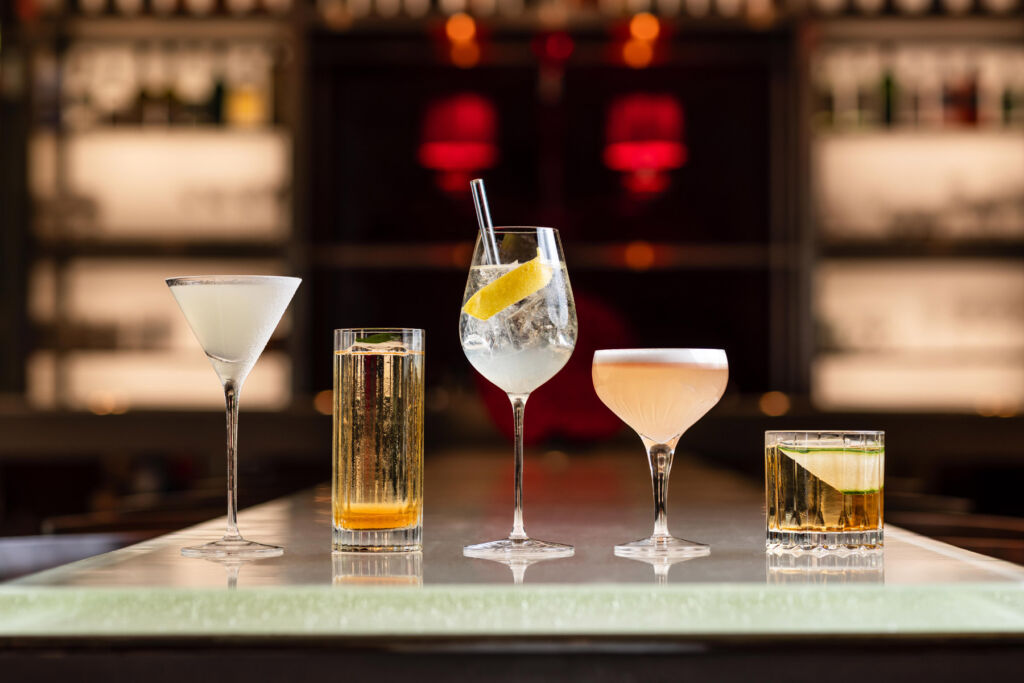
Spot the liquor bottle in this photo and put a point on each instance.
(163, 7)
(128, 8)
(870, 6)
(1000, 6)
(868, 69)
(155, 86)
(194, 86)
(957, 6)
(92, 7)
(960, 90)
(240, 7)
(248, 81)
(200, 8)
(278, 6)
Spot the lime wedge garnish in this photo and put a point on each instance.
(846, 470)
(510, 288)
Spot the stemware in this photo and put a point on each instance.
(518, 329)
(660, 393)
(232, 317)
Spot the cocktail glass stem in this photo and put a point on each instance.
(231, 393)
(518, 409)
(660, 457)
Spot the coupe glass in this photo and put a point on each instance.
(660, 393)
(232, 317)
(521, 334)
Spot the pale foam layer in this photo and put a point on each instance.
(708, 358)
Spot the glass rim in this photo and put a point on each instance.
(224, 279)
(521, 229)
(662, 348)
(711, 358)
(858, 432)
(380, 330)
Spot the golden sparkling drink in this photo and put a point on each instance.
(378, 442)
(825, 491)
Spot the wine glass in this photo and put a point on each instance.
(660, 393)
(518, 329)
(232, 317)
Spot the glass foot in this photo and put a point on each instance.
(662, 546)
(235, 548)
(526, 548)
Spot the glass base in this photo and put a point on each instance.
(515, 548)
(662, 546)
(406, 539)
(234, 548)
(824, 541)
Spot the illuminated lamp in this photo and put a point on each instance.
(644, 140)
(458, 139)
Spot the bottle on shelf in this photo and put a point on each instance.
(960, 89)
(248, 79)
(93, 8)
(200, 8)
(128, 8)
(163, 7)
(154, 97)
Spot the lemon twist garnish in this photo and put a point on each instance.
(510, 288)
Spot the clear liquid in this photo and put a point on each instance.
(378, 441)
(659, 400)
(526, 344)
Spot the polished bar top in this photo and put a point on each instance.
(917, 586)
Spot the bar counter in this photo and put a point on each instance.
(146, 603)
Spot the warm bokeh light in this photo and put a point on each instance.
(106, 403)
(644, 26)
(462, 253)
(555, 47)
(637, 53)
(460, 28)
(761, 13)
(774, 403)
(323, 402)
(638, 255)
(465, 55)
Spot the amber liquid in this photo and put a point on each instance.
(377, 515)
(799, 501)
(378, 440)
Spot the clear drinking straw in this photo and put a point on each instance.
(483, 217)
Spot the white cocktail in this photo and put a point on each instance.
(232, 317)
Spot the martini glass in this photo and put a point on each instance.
(518, 333)
(232, 317)
(660, 393)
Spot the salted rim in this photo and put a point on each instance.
(714, 358)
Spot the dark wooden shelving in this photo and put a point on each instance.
(927, 249)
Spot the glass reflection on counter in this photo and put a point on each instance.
(819, 568)
(661, 566)
(232, 567)
(377, 569)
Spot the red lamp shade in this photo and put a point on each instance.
(458, 138)
(644, 139)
